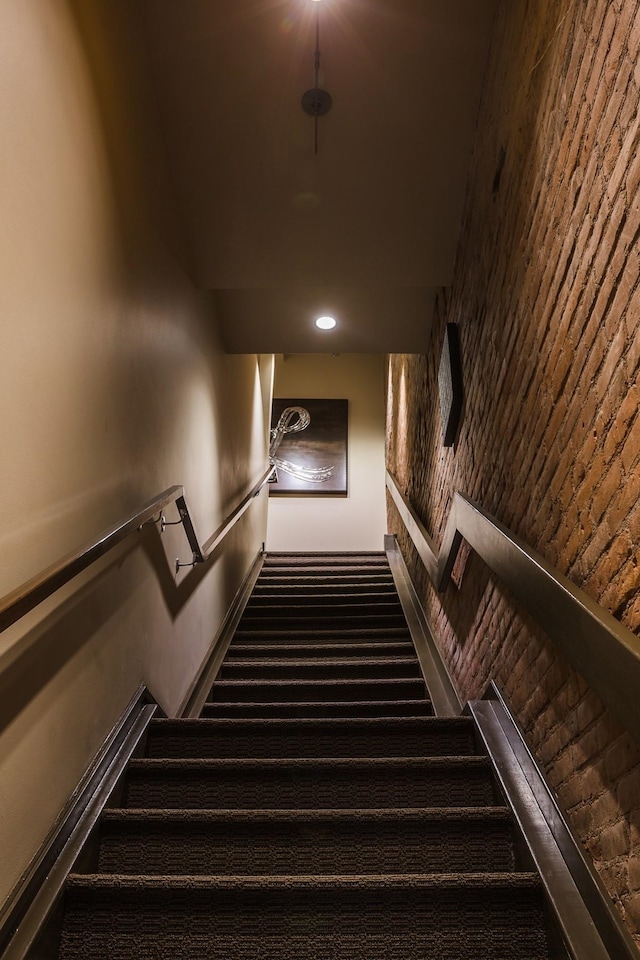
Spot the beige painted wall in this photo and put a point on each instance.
(358, 521)
(113, 386)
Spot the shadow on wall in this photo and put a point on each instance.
(112, 34)
(44, 651)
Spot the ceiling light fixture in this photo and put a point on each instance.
(326, 323)
(316, 102)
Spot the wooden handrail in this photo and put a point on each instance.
(599, 647)
(28, 595)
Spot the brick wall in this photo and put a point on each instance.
(546, 296)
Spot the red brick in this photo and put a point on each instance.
(546, 294)
(614, 841)
(631, 450)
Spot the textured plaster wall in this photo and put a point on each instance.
(355, 522)
(113, 386)
(546, 296)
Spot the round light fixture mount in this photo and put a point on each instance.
(316, 102)
(326, 323)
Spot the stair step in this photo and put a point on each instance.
(273, 593)
(321, 635)
(276, 561)
(316, 810)
(320, 668)
(310, 606)
(381, 607)
(281, 784)
(325, 574)
(322, 709)
(268, 843)
(414, 737)
(484, 916)
(238, 651)
(321, 621)
(331, 580)
(301, 690)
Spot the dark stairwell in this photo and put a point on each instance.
(317, 809)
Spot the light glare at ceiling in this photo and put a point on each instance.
(325, 323)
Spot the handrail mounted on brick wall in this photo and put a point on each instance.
(599, 647)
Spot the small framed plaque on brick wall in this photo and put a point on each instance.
(450, 385)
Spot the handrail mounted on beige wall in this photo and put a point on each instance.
(599, 647)
(28, 595)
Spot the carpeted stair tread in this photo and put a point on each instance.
(316, 810)
(286, 560)
(318, 622)
(300, 690)
(310, 783)
(321, 709)
(329, 581)
(315, 606)
(317, 661)
(356, 593)
(338, 595)
(419, 736)
(323, 621)
(335, 604)
(276, 555)
(325, 668)
(291, 574)
(285, 571)
(384, 613)
(260, 842)
(299, 882)
(440, 917)
(322, 635)
(317, 814)
(238, 652)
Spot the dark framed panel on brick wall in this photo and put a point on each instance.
(450, 385)
(309, 439)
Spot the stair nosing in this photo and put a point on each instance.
(320, 814)
(289, 704)
(195, 763)
(319, 661)
(207, 722)
(428, 881)
(372, 681)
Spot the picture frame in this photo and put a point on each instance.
(309, 443)
(450, 385)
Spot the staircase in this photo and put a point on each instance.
(317, 809)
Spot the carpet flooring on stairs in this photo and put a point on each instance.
(317, 810)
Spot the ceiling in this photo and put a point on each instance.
(366, 228)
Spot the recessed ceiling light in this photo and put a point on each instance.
(325, 323)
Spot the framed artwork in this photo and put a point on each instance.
(450, 385)
(309, 447)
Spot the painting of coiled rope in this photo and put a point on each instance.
(308, 447)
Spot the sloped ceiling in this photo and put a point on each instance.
(367, 227)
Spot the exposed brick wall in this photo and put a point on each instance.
(546, 296)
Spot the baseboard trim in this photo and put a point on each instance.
(35, 895)
(439, 684)
(195, 699)
(590, 925)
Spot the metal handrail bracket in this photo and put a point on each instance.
(34, 591)
(599, 647)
